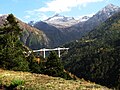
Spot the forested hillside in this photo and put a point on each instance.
(96, 57)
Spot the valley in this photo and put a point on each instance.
(92, 42)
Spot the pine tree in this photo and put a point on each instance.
(34, 66)
(53, 65)
(11, 49)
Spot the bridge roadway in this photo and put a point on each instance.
(55, 49)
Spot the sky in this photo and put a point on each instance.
(36, 10)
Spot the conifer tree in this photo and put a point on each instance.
(11, 49)
(53, 65)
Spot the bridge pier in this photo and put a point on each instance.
(59, 53)
(44, 52)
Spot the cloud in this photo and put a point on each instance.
(1, 14)
(58, 6)
(43, 16)
(26, 17)
(35, 16)
(64, 5)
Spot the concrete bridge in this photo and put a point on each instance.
(44, 50)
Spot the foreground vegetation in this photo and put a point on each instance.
(29, 81)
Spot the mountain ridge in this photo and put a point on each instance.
(60, 21)
(70, 31)
(101, 16)
(49, 35)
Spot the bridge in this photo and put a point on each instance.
(44, 50)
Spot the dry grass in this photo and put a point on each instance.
(45, 82)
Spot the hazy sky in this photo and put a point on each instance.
(36, 10)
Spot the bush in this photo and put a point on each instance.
(14, 84)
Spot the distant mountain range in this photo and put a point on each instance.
(69, 29)
(60, 21)
(101, 16)
(58, 30)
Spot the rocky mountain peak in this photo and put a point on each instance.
(109, 9)
(111, 6)
(59, 18)
(57, 15)
(84, 18)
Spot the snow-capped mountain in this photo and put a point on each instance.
(86, 24)
(100, 17)
(109, 10)
(60, 21)
(59, 18)
(68, 28)
(84, 18)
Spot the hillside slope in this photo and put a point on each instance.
(56, 37)
(96, 57)
(44, 82)
(31, 36)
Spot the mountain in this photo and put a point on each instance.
(95, 57)
(60, 21)
(55, 36)
(100, 17)
(59, 18)
(60, 25)
(86, 24)
(74, 29)
(84, 18)
(31, 36)
(61, 29)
